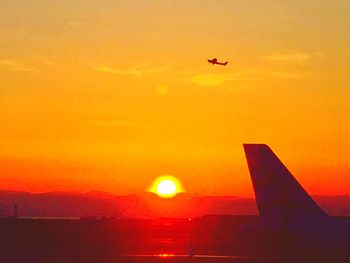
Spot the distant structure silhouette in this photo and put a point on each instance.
(190, 239)
(15, 212)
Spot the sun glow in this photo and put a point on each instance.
(166, 186)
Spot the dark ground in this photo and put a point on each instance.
(117, 240)
(124, 240)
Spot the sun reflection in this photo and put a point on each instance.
(165, 255)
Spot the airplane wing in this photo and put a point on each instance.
(295, 227)
(278, 195)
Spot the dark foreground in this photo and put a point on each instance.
(136, 240)
(123, 240)
(185, 259)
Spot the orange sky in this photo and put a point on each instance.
(108, 96)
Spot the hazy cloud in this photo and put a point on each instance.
(288, 57)
(76, 24)
(15, 65)
(28, 65)
(286, 75)
(209, 79)
(162, 90)
(137, 71)
(116, 123)
(255, 74)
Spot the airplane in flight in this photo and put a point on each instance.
(293, 227)
(215, 61)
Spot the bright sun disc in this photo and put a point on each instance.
(166, 186)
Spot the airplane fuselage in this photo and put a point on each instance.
(215, 62)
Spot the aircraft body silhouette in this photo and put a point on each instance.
(215, 61)
(293, 227)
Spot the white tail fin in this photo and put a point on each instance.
(280, 198)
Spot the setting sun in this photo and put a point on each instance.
(166, 186)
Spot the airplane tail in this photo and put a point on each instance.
(280, 198)
(225, 63)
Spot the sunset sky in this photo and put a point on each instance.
(108, 95)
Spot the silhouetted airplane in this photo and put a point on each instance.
(215, 61)
(293, 227)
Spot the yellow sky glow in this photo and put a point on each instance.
(96, 93)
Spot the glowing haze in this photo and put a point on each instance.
(107, 95)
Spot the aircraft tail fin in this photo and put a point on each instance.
(279, 196)
(225, 63)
